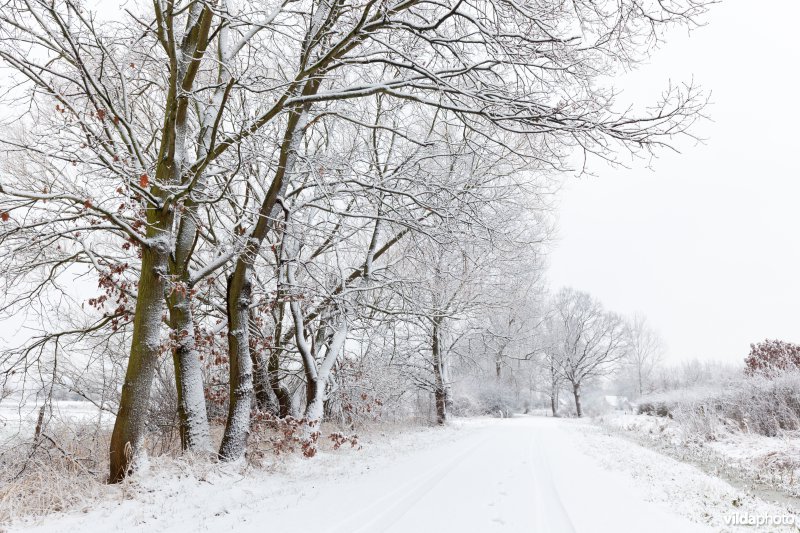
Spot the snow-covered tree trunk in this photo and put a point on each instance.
(316, 376)
(576, 393)
(237, 427)
(440, 386)
(128, 435)
(192, 415)
(315, 402)
(129, 427)
(554, 386)
(265, 400)
(239, 359)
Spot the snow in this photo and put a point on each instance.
(617, 402)
(525, 474)
(758, 451)
(771, 462)
(18, 417)
(683, 487)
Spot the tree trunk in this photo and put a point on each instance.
(278, 389)
(192, 415)
(553, 388)
(274, 365)
(128, 435)
(237, 427)
(641, 385)
(240, 282)
(441, 406)
(265, 400)
(315, 411)
(315, 400)
(576, 392)
(440, 388)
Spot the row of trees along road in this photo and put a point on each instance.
(263, 184)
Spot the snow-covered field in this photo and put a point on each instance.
(18, 417)
(525, 474)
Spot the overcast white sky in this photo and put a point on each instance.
(706, 244)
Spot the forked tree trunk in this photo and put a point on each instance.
(128, 435)
(317, 373)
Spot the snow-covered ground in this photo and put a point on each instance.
(770, 462)
(525, 474)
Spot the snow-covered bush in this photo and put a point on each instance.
(772, 357)
(363, 390)
(755, 404)
(478, 398)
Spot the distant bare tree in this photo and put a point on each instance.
(590, 340)
(645, 351)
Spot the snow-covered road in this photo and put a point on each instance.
(526, 475)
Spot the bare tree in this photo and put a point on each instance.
(645, 351)
(590, 340)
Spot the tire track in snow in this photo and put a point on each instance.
(551, 515)
(385, 511)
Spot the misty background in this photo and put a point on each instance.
(703, 242)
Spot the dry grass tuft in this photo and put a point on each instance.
(60, 469)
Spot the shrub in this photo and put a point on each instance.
(477, 399)
(60, 469)
(289, 435)
(772, 357)
(653, 408)
(760, 404)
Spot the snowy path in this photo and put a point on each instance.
(525, 475)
